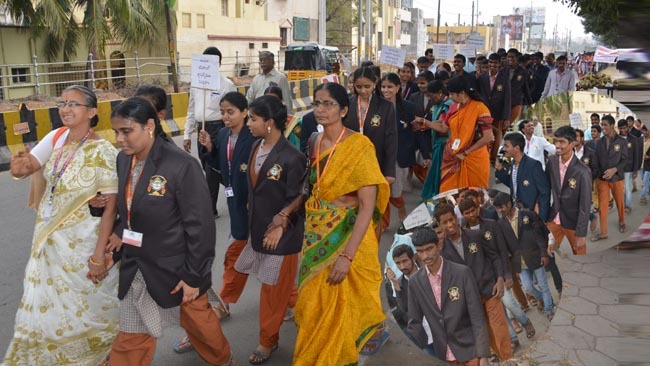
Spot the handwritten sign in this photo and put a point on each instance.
(392, 56)
(420, 216)
(576, 120)
(476, 41)
(205, 72)
(467, 50)
(444, 51)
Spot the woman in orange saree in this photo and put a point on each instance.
(466, 160)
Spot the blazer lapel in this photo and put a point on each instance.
(148, 170)
(466, 254)
(445, 286)
(273, 155)
(251, 164)
(451, 251)
(428, 291)
(244, 134)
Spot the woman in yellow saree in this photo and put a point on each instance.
(338, 306)
(466, 160)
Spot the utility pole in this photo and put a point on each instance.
(458, 24)
(359, 32)
(368, 29)
(472, 31)
(172, 44)
(438, 25)
(322, 26)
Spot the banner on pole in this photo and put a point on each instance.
(444, 51)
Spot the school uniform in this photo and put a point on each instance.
(532, 186)
(230, 156)
(455, 313)
(492, 237)
(484, 261)
(409, 89)
(279, 181)
(633, 164)
(610, 153)
(571, 191)
(497, 96)
(380, 126)
(171, 208)
(540, 73)
(422, 104)
(519, 91)
(471, 80)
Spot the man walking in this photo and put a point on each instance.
(269, 77)
(560, 80)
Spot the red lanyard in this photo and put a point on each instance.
(362, 118)
(319, 174)
(57, 177)
(130, 189)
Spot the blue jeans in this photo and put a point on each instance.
(513, 311)
(646, 183)
(544, 293)
(628, 189)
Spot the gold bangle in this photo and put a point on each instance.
(346, 256)
(91, 261)
(283, 214)
(17, 178)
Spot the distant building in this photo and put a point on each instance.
(413, 30)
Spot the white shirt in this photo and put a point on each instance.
(535, 148)
(559, 83)
(212, 110)
(263, 81)
(539, 131)
(580, 153)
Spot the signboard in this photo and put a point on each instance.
(444, 51)
(606, 55)
(576, 120)
(513, 26)
(467, 50)
(205, 72)
(331, 78)
(420, 216)
(392, 56)
(537, 31)
(477, 41)
(531, 14)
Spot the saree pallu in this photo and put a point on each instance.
(431, 185)
(63, 318)
(474, 169)
(335, 321)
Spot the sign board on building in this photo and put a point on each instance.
(513, 26)
(537, 31)
(444, 51)
(392, 56)
(531, 14)
(205, 72)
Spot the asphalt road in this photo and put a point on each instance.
(16, 225)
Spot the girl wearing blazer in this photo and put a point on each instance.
(276, 173)
(168, 234)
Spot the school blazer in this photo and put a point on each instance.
(421, 110)
(615, 156)
(540, 73)
(571, 197)
(308, 127)
(531, 244)
(498, 97)
(519, 90)
(479, 257)
(634, 154)
(171, 208)
(587, 157)
(492, 238)
(380, 127)
(407, 141)
(237, 178)
(410, 89)
(280, 180)
(532, 184)
(459, 323)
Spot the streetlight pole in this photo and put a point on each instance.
(322, 26)
(438, 25)
(359, 32)
(172, 44)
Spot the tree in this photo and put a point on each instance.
(621, 23)
(342, 16)
(64, 23)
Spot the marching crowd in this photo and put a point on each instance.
(307, 207)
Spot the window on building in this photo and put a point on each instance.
(380, 40)
(265, 45)
(251, 46)
(390, 32)
(19, 75)
(283, 37)
(248, 1)
(200, 20)
(380, 6)
(224, 8)
(187, 20)
(300, 29)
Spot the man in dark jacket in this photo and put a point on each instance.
(494, 87)
(633, 162)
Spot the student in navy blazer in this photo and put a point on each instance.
(533, 187)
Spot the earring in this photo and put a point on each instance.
(268, 129)
(151, 134)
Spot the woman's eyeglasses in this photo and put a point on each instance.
(72, 104)
(324, 103)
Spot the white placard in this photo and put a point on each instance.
(420, 216)
(467, 50)
(392, 56)
(205, 72)
(576, 120)
(476, 41)
(444, 51)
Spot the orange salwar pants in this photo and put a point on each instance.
(497, 325)
(202, 326)
(275, 299)
(618, 191)
(233, 281)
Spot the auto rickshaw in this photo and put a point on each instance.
(309, 60)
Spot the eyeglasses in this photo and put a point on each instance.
(72, 104)
(324, 103)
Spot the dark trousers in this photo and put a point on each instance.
(555, 272)
(212, 176)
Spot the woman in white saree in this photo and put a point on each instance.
(68, 314)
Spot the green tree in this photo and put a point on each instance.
(64, 23)
(619, 23)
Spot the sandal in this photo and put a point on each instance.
(230, 362)
(289, 315)
(516, 326)
(622, 228)
(258, 357)
(374, 344)
(223, 311)
(183, 345)
(598, 237)
(530, 330)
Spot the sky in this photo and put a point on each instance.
(449, 9)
